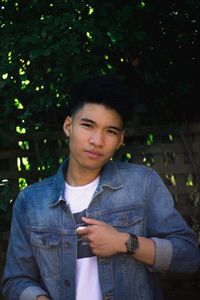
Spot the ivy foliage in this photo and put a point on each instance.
(46, 46)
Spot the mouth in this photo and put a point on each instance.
(93, 154)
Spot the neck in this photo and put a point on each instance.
(80, 177)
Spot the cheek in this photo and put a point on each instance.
(77, 140)
(112, 146)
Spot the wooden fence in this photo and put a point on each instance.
(173, 153)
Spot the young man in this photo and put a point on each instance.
(98, 229)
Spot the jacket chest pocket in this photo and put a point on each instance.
(46, 247)
(127, 219)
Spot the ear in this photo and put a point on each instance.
(66, 125)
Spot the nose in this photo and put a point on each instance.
(97, 139)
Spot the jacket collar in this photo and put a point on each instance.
(109, 178)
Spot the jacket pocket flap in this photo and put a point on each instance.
(125, 218)
(45, 240)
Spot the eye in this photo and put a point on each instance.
(112, 132)
(86, 125)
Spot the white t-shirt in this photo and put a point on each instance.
(87, 280)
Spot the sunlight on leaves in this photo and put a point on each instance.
(24, 145)
(21, 71)
(9, 57)
(18, 104)
(91, 10)
(88, 34)
(111, 37)
(25, 82)
(26, 163)
(141, 4)
(171, 179)
(4, 76)
(171, 137)
(150, 139)
(190, 180)
(20, 130)
(22, 183)
(19, 164)
(109, 66)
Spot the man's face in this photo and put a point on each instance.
(95, 132)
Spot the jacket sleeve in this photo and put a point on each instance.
(175, 242)
(21, 275)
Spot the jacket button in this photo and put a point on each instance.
(66, 245)
(44, 241)
(67, 282)
(65, 208)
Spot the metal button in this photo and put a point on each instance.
(104, 260)
(65, 208)
(67, 282)
(44, 241)
(107, 298)
(66, 245)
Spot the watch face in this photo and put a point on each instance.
(132, 244)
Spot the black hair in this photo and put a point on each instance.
(106, 90)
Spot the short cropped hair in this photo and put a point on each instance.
(106, 90)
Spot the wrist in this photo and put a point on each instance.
(42, 297)
(122, 242)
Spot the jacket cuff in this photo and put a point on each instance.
(163, 255)
(31, 293)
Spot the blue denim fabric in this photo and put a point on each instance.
(42, 250)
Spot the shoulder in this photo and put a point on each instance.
(35, 191)
(137, 173)
(129, 168)
(39, 186)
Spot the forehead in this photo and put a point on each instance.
(99, 113)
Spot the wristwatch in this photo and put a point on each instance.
(132, 244)
(38, 296)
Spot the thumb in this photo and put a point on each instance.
(91, 221)
(82, 230)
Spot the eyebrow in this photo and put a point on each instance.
(93, 122)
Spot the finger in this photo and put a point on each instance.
(84, 237)
(82, 230)
(91, 221)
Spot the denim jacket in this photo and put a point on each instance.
(42, 250)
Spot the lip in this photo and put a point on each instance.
(93, 154)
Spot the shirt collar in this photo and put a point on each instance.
(109, 178)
